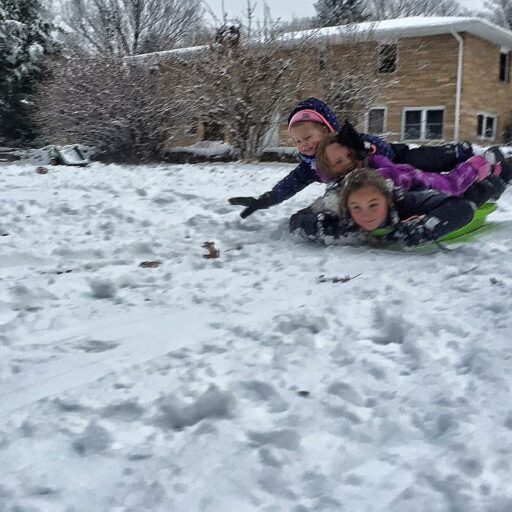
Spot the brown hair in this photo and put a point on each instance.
(322, 162)
(360, 179)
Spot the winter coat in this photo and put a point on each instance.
(436, 215)
(306, 173)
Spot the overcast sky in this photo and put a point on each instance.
(287, 9)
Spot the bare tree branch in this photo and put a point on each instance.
(132, 27)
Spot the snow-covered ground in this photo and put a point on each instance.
(243, 383)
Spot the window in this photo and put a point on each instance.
(387, 58)
(423, 124)
(213, 130)
(504, 66)
(434, 124)
(377, 120)
(486, 126)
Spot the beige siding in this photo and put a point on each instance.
(482, 89)
(426, 77)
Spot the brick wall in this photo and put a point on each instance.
(426, 76)
(482, 89)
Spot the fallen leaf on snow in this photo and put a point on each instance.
(212, 251)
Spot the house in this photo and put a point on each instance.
(443, 78)
(438, 79)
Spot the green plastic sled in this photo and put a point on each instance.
(477, 222)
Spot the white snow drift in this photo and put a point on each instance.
(242, 383)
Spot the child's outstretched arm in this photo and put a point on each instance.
(252, 203)
(302, 176)
(428, 216)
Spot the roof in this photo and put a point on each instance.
(378, 30)
(411, 27)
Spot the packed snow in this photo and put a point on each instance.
(136, 374)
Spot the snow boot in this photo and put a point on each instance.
(489, 189)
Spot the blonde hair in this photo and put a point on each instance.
(359, 179)
(322, 162)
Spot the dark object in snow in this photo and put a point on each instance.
(279, 154)
(150, 264)
(41, 170)
(67, 156)
(56, 272)
(10, 154)
(212, 251)
(303, 393)
(324, 279)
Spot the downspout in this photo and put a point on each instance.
(458, 94)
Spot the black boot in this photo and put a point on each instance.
(488, 189)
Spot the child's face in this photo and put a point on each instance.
(368, 208)
(340, 159)
(306, 137)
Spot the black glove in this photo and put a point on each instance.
(253, 203)
(411, 232)
(315, 225)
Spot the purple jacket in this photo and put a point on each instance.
(453, 183)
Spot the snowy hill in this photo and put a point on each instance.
(243, 383)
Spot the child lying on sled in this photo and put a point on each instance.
(337, 158)
(368, 201)
(484, 175)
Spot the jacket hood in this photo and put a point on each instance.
(318, 106)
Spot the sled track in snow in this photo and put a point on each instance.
(104, 350)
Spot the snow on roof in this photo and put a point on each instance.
(412, 27)
(155, 57)
(380, 30)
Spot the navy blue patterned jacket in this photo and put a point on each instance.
(305, 173)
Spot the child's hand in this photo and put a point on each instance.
(252, 203)
(411, 232)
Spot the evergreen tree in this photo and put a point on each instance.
(25, 38)
(339, 12)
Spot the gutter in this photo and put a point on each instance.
(458, 94)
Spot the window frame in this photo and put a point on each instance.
(485, 116)
(384, 120)
(423, 125)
